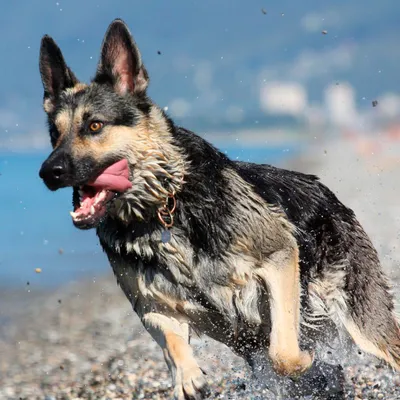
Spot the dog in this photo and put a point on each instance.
(242, 252)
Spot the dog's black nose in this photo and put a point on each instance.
(52, 172)
(55, 171)
(58, 171)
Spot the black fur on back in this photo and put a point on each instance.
(202, 206)
(309, 205)
(306, 202)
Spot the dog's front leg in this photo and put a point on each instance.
(173, 337)
(282, 276)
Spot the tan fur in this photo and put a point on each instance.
(69, 123)
(63, 123)
(163, 318)
(282, 277)
(376, 349)
(79, 87)
(275, 227)
(278, 268)
(149, 134)
(48, 105)
(148, 147)
(328, 300)
(173, 337)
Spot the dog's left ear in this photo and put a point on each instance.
(56, 75)
(120, 61)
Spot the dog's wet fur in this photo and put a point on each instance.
(262, 259)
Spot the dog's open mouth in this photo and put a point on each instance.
(94, 196)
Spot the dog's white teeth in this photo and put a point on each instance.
(101, 196)
(92, 210)
(73, 215)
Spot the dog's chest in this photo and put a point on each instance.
(215, 294)
(149, 269)
(209, 307)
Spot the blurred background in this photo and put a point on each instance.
(312, 85)
(307, 85)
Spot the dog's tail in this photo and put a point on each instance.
(369, 315)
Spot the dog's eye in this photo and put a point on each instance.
(96, 126)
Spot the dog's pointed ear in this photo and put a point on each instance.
(120, 61)
(56, 75)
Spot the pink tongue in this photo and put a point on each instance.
(114, 178)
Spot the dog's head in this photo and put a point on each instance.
(110, 142)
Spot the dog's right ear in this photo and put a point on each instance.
(56, 75)
(120, 62)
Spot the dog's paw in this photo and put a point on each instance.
(293, 366)
(191, 384)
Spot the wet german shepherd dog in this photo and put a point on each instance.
(248, 254)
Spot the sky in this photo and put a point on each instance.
(214, 55)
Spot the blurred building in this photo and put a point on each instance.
(283, 98)
(340, 105)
